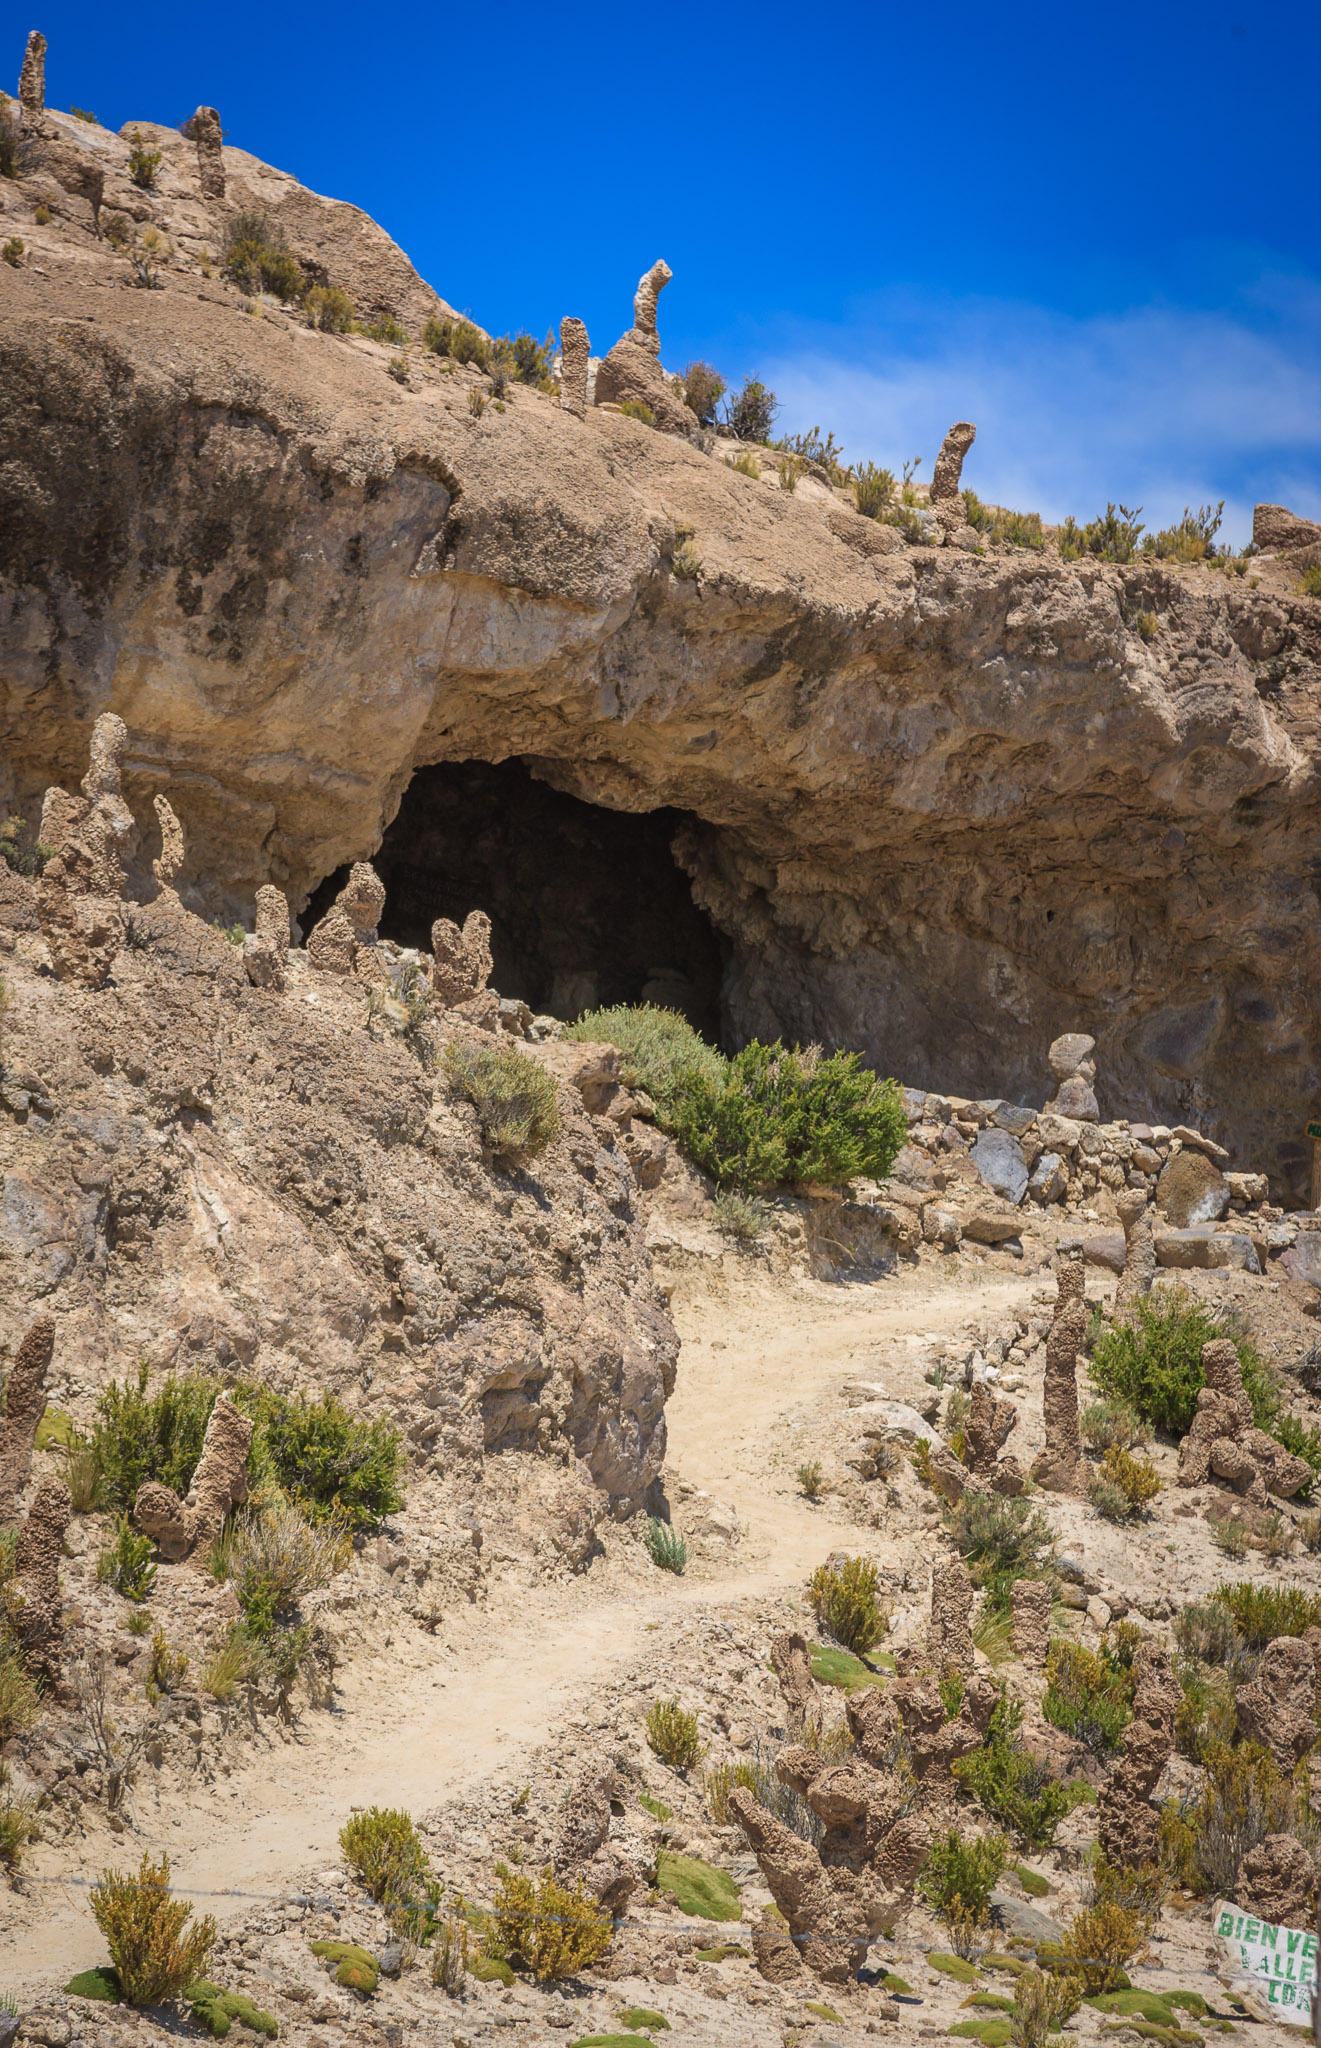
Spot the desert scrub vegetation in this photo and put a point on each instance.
(811, 1480)
(1097, 1944)
(1261, 1613)
(873, 489)
(1113, 537)
(11, 135)
(1191, 539)
(329, 309)
(1152, 1361)
(153, 1951)
(1011, 529)
(741, 1217)
(750, 412)
(662, 1054)
(126, 1563)
(745, 463)
(1017, 1792)
(963, 1870)
(554, 1930)
(1042, 2005)
(1310, 584)
(258, 258)
(13, 252)
(138, 1436)
(665, 1546)
(1103, 1424)
(1001, 1539)
(1088, 1696)
(517, 1112)
(845, 1603)
(143, 163)
(20, 1701)
(1244, 1797)
(672, 1734)
(19, 1825)
(460, 340)
(780, 1116)
(703, 389)
(276, 1557)
(384, 1851)
(1124, 1485)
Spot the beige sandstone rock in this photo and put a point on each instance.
(1129, 1825)
(36, 1613)
(1278, 1708)
(78, 891)
(218, 1485)
(793, 1667)
(206, 132)
(949, 1639)
(1277, 1881)
(645, 301)
(1029, 1631)
(170, 859)
(32, 81)
(1224, 1443)
(461, 960)
(575, 361)
(945, 478)
(344, 942)
(266, 949)
(1057, 1467)
(1139, 1249)
(25, 1404)
(1191, 1189)
(987, 1429)
(586, 1854)
(1275, 527)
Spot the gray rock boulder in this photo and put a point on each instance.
(998, 1158)
(1049, 1182)
(1068, 1052)
(1077, 1098)
(1191, 1190)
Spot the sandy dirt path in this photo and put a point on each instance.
(417, 1727)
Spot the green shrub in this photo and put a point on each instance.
(143, 163)
(665, 1546)
(13, 252)
(20, 1702)
(1191, 539)
(1153, 1361)
(331, 1464)
(1043, 2004)
(236, 1659)
(845, 1603)
(1310, 585)
(1123, 1486)
(258, 258)
(741, 1217)
(637, 409)
(963, 1868)
(1113, 537)
(703, 389)
(517, 1112)
(1145, 625)
(216, 2010)
(144, 1929)
(1014, 1788)
(329, 308)
(169, 1668)
(686, 562)
(127, 1564)
(279, 1555)
(744, 462)
(387, 329)
(1244, 1797)
(1265, 1612)
(1099, 1941)
(1105, 1423)
(791, 470)
(873, 489)
(1002, 1539)
(383, 1848)
(811, 1479)
(556, 1930)
(526, 359)
(1087, 1697)
(662, 1054)
(18, 1820)
(137, 1436)
(782, 1116)
(1208, 1631)
(458, 339)
(750, 412)
(1305, 1443)
(672, 1735)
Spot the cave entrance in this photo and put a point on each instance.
(587, 906)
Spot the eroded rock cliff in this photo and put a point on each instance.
(942, 806)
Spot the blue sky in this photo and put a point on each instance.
(1093, 231)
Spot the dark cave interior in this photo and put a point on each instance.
(588, 906)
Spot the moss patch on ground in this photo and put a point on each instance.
(991, 2033)
(356, 1968)
(102, 1983)
(698, 1887)
(955, 1967)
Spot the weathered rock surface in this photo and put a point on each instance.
(938, 806)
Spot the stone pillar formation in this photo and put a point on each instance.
(575, 358)
(32, 81)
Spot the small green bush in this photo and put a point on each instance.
(1103, 1424)
(1112, 538)
(383, 1848)
(137, 1436)
(1191, 540)
(143, 163)
(787, 1116)
(1015, 1789)
(963, 1868)
(1264, 1612)
(672, 1735)
(686, 562)
(18, 1820)
(1002, 1539)
(744, 462)
(330, 309)
(11, 135)
(20, 1701)
(279, 1555)
(13, 252)
(100, 1984)
(846, 1605)
(637, 409)
(331, 1464)
(258, 258)
(665, 1546)
(1310, 585)
(791, 470)
(703, 389)
(1153, 1360)
(662, 1054)
(741, 1217)
(556, 1930)
(517, 1112)
(873, 489)
(127, 1564)
(750, 412)
(387, 329)
(1208, 1631)
(458, 339)
(811, 1479)
(526, 359)
(1087, 1697)
(1042, 2005)
(144, 1930)
(216, 2010)
(1123, 1486)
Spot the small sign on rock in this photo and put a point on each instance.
(1274, 1967)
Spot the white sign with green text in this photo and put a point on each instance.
(1278, 1962)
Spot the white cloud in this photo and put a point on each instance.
(1157, 406)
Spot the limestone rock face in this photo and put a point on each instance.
(939, 806)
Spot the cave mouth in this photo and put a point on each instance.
(587, 906)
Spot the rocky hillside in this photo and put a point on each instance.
(942, 804)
